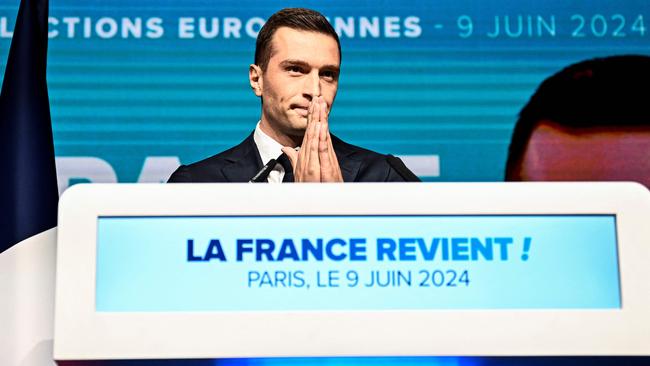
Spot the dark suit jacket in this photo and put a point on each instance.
(242, 162)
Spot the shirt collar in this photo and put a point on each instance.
(267, 146)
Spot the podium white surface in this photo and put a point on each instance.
(90, 325)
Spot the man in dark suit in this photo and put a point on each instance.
(296, 72)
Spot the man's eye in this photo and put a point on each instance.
(294, 69)
(330, 75)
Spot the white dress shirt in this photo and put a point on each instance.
(269, 149)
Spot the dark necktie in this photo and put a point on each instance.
(288, 169)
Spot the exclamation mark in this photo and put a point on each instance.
(524, 256)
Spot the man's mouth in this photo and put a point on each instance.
(302, 111)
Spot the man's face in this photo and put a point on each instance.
(558, 153)
(303, 66)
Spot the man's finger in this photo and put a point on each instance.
(335, 174)
(330, 169)
(303, 155)
(323, 147)
(324, 157)
(292, 154)
(323, 109)
(307, 166)
(338, 176)
(313, 166)
(310, 112)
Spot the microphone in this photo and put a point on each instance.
(263, 174)
(401, 169)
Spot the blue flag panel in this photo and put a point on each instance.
(28, 189)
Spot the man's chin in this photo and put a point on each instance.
(297, 134)
(298, 125)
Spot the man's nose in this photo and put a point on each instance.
(312, 85)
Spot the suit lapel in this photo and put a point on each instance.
(244, 160)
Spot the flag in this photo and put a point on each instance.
(28, 188)
(28, 196)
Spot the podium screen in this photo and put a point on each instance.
(356, 263)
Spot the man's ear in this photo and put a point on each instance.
(255, 79)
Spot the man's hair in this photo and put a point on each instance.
(294, 18)
(594, 93)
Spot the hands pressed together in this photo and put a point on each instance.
(316, 160)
